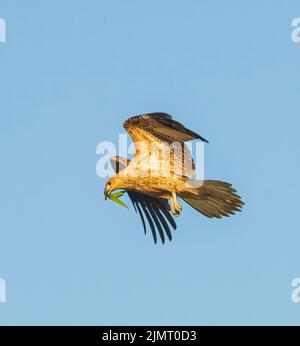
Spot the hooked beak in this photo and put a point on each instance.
(106, 193)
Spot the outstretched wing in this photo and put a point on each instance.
(160, 128)
(156, 210)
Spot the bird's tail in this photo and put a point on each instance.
(213, 198)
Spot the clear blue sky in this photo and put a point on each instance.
(70, 73)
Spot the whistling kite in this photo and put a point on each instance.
(153, 180)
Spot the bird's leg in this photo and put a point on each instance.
(175, 205)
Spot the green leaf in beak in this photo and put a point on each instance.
(115, 198)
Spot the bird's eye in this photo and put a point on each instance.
(109, 183)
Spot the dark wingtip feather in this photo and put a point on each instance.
(163, 222)
(167, 215)
(158, 225)
(142, 217)
(150, 223)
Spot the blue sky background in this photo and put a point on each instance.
(70, 73)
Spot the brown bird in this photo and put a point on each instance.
(162, 170)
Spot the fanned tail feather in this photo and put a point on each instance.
(213, 199)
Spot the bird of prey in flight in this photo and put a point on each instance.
(162, 170)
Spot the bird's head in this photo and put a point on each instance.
(112, 184)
